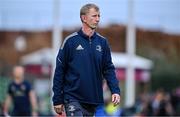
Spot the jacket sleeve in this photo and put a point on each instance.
(109, 71)
(59, 74)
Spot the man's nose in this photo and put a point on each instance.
(97, 18)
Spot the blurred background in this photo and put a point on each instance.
(144, 36)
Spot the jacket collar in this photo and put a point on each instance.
(81, 33)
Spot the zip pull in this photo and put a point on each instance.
(90, 40)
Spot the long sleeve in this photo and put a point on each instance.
(109, 71)
(59, 74)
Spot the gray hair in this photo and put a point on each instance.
(85, 9)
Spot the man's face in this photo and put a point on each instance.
(92, 18)
(18, 72)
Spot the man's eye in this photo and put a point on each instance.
(96, 15)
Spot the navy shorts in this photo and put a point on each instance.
(74, 108)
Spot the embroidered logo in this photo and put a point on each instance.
(79, 47)
(98, 48)
(71, 108)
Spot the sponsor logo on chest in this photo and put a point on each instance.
(99, 48)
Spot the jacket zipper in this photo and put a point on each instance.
(90, 42)
(91, 55)
(91, 51)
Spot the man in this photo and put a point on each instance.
(82, 63)
(21, 94)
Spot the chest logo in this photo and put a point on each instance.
(23, 88)
(79, 47)
(99, 48)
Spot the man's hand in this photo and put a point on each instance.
(59, 109)
(116, 99)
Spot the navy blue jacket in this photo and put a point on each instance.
(81, 65)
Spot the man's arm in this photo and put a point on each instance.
(58, 80)
(110, 76)
(33, 102)
(7, 104)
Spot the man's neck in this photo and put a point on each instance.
(18, 80)
(88, 31)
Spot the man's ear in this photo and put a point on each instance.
(83, 18)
